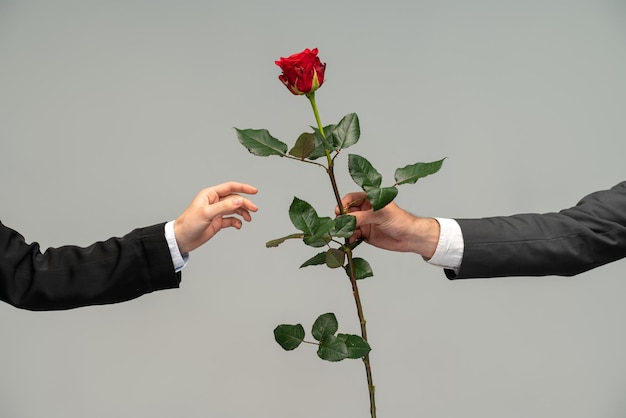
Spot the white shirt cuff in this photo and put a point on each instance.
(179, 260)
(449, 252)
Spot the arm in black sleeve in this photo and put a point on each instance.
(566, 243)
(111, 271)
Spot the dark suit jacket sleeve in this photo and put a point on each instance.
(566, 243)
(111, 271)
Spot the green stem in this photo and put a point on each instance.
(355, 289)
(304, 161)
(311, 97)
(331, 164)
(366, 358)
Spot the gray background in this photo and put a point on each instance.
(114, 114)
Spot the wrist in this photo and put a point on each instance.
(425, 236)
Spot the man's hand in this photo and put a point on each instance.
(391, 228)
(208, 214)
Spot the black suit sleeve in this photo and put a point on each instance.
(115, 270)
(566, 243)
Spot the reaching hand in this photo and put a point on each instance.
(391, 228)
(207, 214)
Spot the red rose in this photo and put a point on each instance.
(302, 72)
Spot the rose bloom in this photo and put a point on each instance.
(302, 72)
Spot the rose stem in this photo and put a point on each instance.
(355, 289)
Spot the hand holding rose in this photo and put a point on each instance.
(391, 228)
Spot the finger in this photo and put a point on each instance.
(351, 200)
(230, 187)
(230, 222)
(223, 207)
(247, 204)
(245, 214)
(358, 234)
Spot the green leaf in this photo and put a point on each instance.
(289, 337)
(344, 226)
(319, 151)
(319, 258)
(411, 173)
(363, 173)
(259, 142)
(315, 241)
(320, 233)
(303, 216)
(381, 197)
(327, 139)
(335, 258)
(357, 346)
(324, 325)
(304, 147)
(347, 131)
(276, 242)
(332, 349)
(362, 269)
